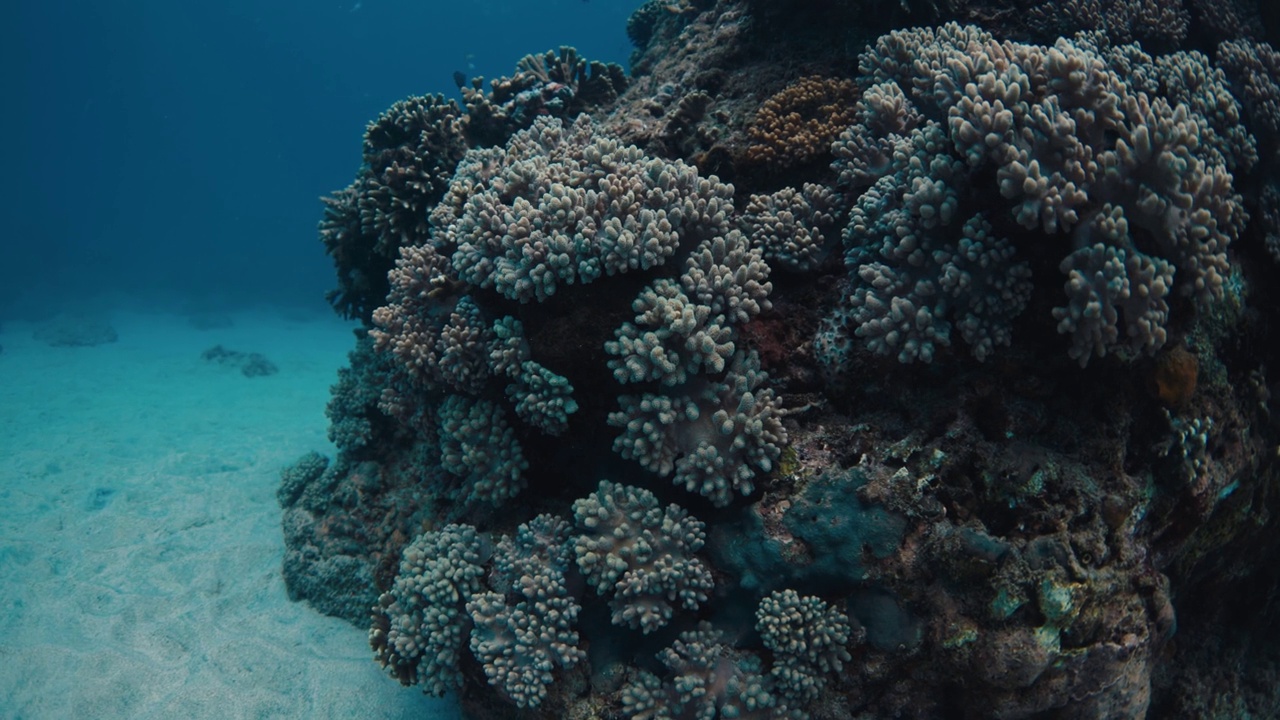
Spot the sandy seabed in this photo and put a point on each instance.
(140, 542)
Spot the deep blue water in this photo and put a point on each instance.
(175, 151)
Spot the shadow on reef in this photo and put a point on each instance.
(847, 359)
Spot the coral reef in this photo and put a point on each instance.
(924, 346)
(1078, 155)
(410, 152)
(640, 553)
(796, 126)
(561, 205)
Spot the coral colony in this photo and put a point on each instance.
(818, 370)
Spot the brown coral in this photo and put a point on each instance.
(798, 124)
(1175, 375)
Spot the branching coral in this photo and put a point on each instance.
(562, 205)
(672, 338)
(709, 680)
(796, 125)
(717, 438)
(520, 645)
(684, 327)
(542, 398)
(1075, 148)
(1106, 282)
(556, 83)
(354, 418)
(641, 554)
(1254, 70)
(419, 624)
(417, 630)
(792, 226)
(477, 445)
(410, 152)
(808, 639)
(411, 327)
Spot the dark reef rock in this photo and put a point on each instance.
(250, 364)
(968, 369)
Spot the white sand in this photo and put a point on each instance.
(140, 541)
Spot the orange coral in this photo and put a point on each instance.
(799, 123)
(1175, 376)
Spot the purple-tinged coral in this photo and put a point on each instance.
(417, 625)
(1254, 70)
(520, 645)
(563, 205)
(641, 554)
(418, 326)
(716, 439)
(461, 362)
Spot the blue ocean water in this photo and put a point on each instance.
(178, 149)
(165, 157)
